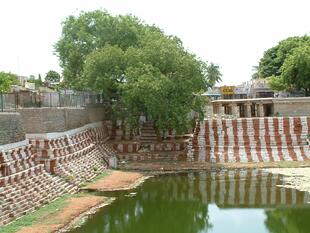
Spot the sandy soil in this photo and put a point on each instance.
(296, 178)
(153, 166)
(62, 217)
(117, 180)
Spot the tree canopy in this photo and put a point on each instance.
(296, 69)
(138, 68)
(6, 80)
(37, 81)
(52, 76)
(287, 65)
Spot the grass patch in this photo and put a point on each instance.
(41, 215)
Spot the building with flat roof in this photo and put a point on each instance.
(262, 107)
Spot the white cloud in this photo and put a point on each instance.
(233, 34)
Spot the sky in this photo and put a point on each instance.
(231, 33)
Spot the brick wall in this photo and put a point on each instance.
(11, 128)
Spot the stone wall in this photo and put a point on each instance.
(87, 143)
(25, 185)
(51, 166)
(292, 106)
(251, 140)
(11, 128)
(45, 120)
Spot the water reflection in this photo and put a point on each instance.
(288, 220)
(227, 201)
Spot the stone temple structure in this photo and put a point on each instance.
(262, 107)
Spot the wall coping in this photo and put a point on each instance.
(55, 135)
(9, 113)
(13, 145)
(249, 118)
(264, 100)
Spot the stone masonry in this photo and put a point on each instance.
(11, 128)
(266, 139)
(37, 173)
(46, 120)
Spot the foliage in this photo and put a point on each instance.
(290, 220)
(273, 58)
(255, 74)
(277, 83)
(52, 76)
(296, 69)
(214, 75)
(6, 81)
(138, 68)
(104, 69)
(287, 65)
(90, 31)
(37, 81)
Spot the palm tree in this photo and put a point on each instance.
(214, 74)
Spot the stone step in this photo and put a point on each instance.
(20, 198)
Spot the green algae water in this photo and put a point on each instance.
(246, 201)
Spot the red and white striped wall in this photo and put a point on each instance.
(243, 188)
(266, 139)
(21, 175)
(68, 146)
(17, 160)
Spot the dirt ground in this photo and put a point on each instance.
(78, 206)
(117, 180)
(153, 166)
(62, 217)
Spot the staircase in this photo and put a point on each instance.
(83, 168)
(148, 133)
(252, 140)
(26, 182)
(30, 193)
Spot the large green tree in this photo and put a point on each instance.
(296, 69)
(287, 65)
(52, 76)
(138, 68)
(88, 32)
(273, 59)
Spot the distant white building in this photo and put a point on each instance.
(22, 79)
(30, 86)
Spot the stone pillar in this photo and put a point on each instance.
(221, 110)
(261, 110)
(248, 112)
(235, 110)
